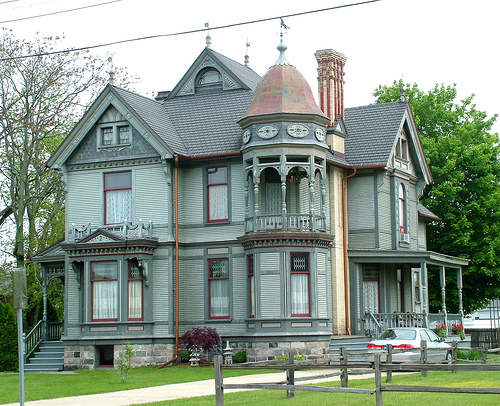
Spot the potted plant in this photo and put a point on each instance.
(458, 329)
(441, 330)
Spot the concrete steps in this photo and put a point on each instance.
(49, 358)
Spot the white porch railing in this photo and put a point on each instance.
(125, 229)
(375, 323)
(293, 222)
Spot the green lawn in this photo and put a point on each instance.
(85, 382)
(302, 398)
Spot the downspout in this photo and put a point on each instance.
(176, 289)
(346, 266)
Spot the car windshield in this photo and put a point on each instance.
(396, 334)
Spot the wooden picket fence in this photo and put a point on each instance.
(344, 365)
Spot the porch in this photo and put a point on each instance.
(286, 222)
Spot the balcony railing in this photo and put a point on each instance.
(291, 222)
(125, 229)
(375, 323)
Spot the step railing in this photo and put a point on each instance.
(33, 339)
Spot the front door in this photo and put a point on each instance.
(371, 282)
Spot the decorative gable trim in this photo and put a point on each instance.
(99, 112)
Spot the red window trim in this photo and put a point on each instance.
(92, 288)
(308, 273)
(402, 207)
(209, 185)
(209, 289)
(113, 189)
(128, 294)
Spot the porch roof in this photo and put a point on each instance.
(406, 257)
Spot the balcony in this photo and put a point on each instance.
(125, 229)
(288, 222)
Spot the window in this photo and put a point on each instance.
(416, 286)
(134, 290)
(118, 197)
(210, 77)
(402, 208)
(251, 285)
(218, 286)
(114, 135)
(105, 356)
(402, 147)
(299, 274)
(104, 280)
(217, 194)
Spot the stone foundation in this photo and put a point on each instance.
(84, 356)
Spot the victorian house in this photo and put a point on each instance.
(236, 202)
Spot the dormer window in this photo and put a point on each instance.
(210, 77)
(402, 147)
(113, 135)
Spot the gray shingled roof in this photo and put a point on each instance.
(372, 131)
(155, 116)
(206, 121)
(425, 212)
(244, 73)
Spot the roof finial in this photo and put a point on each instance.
(111, 72)
(247, 58)
(401, 90)
(208, 39)
(282, 47)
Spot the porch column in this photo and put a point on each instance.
(311, 202)
(425, 297)
(247, 198)
(323, 201)
(45, 288)
(256, 204)
(442, 279)
(459, 286)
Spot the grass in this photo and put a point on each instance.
(302, 398)
(86, 382)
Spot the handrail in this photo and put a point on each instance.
(33, 339)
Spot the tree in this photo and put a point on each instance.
(8, 339)
(42, 94)
(463, 156)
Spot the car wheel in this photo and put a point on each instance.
(448, 356)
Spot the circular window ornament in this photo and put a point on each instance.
(246, 136)
(297, 130)
(267, 131)
(320, 134)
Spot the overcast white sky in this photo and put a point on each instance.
(423, 41)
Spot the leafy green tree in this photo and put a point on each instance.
(463, 156)
(42, 95)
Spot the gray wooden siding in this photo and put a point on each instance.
(83, 200)
(72, 306)
(385, 215)
(271, 291)
(322, 285)
(360, 197)
(191, 196)
(237, 193)
(239, 294)
(192, 290)
(162, 290)
(151, 195)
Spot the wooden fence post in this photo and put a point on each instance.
(423, 358)
(454, 354)
(485, 353)
(378, 380)
(388, 378)
(219, 390)
(290, 375)
(344, 377)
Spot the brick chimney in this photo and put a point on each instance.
(331, 83)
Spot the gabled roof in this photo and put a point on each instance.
(373, 131)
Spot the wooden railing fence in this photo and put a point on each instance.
(343, 365)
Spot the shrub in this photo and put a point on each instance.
(300, 357)
(8, 339)
(185, 356)
(204, 338)
(469, 355)
(240, 357)
(124, 361)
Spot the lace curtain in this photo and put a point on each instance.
(135, 299)
(218, 202)
(118, 206)
(219, 298)
(300, 294)
(105, 300)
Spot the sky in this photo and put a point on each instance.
(420, 41)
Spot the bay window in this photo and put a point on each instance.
(118, 197)
(299, 275)
(134, 290)
(218, 287)
(217, 194)
(104, 280)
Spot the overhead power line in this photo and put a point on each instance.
(189, 31)
(59, 12)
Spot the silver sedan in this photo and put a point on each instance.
(407, 343)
